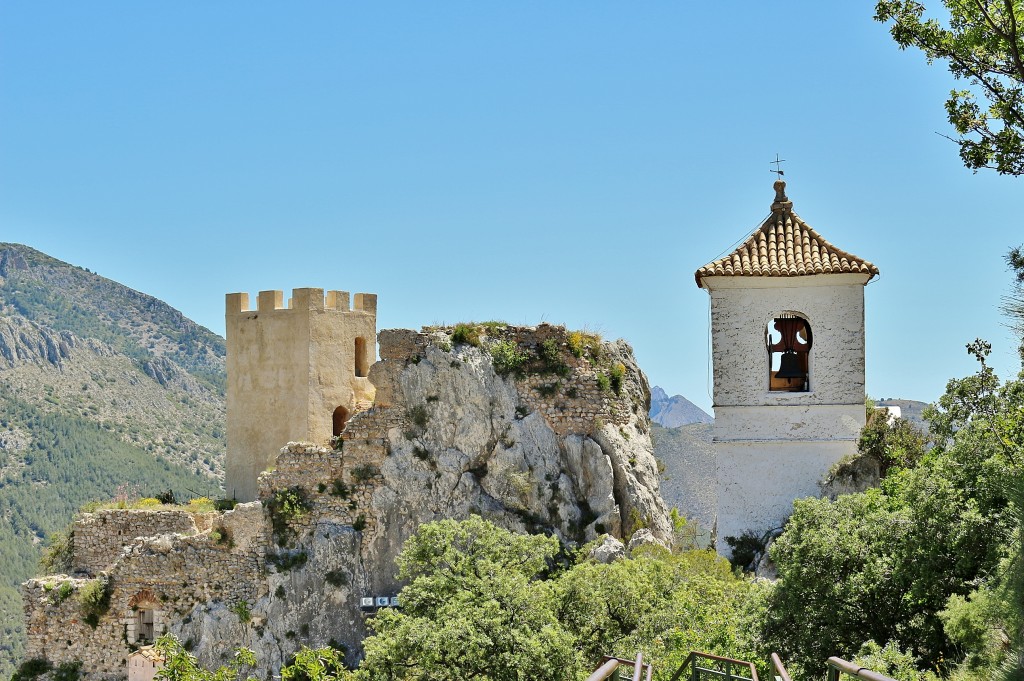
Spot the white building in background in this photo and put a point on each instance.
(787, 338)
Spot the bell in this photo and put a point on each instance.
(789, 367)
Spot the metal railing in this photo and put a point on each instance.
(613, 668)
(837, 666)
(780, 670)
(706, 666)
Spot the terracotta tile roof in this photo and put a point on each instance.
(150, 653)
(785, 246)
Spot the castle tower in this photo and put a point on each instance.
(787, 343)
(294, 373)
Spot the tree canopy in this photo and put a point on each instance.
(982, 44)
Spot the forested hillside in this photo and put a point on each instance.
(102, 389)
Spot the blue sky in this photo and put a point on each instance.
(531, 161)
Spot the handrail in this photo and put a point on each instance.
(610, 664)
(837, 666)
(691, 659)
(780, 670)
(606, 669)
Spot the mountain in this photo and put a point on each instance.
(687, 462)
(103, 391)
(676, 410)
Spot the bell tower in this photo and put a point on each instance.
(787, 344)
(296, 372)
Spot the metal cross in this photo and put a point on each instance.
(778, 169)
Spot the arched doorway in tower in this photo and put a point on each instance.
(340, 419)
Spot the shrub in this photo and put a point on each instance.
(241, 608)
(603, 382)
(59, 555)
(507, 357)
(220, 535)
(360, 523)
(419, 415)
(336, 578)
(148, 502)
(746, 548)
(94, 600)
(61, 593)
(284, 562)
(468, 334)
(547, 389)
(580, 342)
(550, 354)
(224, 504)
(68, 671)
(31, 669)
(615, 376)
(201, 505)
(339, 489)
(365, 472)
(283, 507)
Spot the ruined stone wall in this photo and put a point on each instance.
(100, 536)
(170, 574)
(335, 485)
(571, 399)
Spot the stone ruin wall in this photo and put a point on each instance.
(100, 536)
(171, 573)
(577, 404)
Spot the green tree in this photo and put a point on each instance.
(181, 665)
(476, 607)
(893, 443)
(889, 564)
(656, 602)
(982, 43)
(316, 664)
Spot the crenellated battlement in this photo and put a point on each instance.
(309, 299)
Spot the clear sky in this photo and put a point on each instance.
(569, 162)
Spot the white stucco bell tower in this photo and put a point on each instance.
(787, 339)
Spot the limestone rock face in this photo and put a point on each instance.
(609, 550)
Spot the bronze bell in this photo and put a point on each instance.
(789, 367)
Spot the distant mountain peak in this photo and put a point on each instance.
(675, 411)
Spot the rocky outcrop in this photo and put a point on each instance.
(851, 475)
(536, 429)
(22, 341)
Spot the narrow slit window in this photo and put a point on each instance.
(788, 339)
(361, 364)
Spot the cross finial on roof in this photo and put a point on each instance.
(778, 166)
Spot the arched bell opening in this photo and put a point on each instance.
(788, 340)
(340, 419)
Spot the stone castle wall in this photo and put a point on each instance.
(100, 536)
(171, 574)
